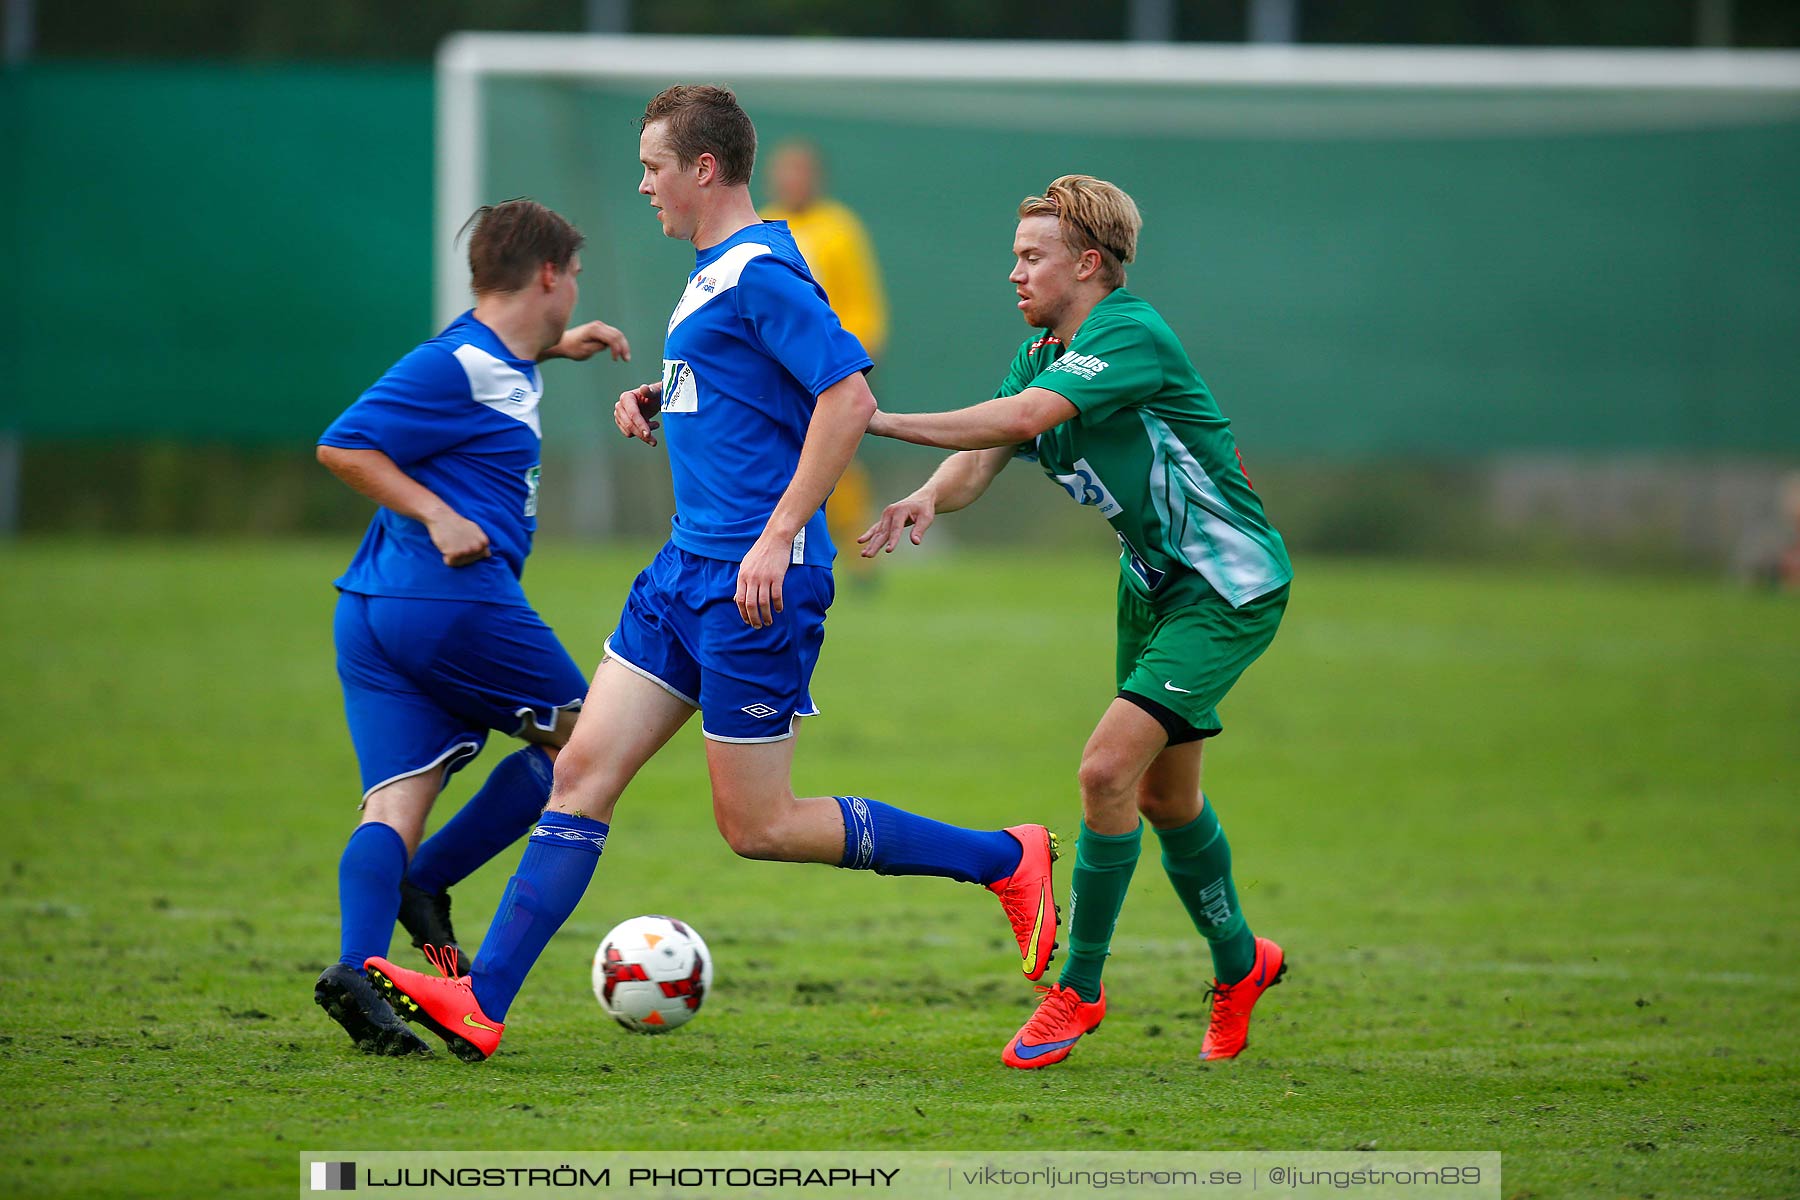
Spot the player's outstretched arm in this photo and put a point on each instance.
(958, 482)
(837, 425)
(582, 342)
(375, 475)
(1006, 421)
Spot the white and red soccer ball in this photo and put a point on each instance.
(651, 974)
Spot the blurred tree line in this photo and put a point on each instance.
(400, 30)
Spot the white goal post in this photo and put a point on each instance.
(466, 60)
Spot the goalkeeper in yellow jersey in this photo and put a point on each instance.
(837, 248)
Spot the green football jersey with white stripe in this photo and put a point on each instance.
(1150, 449)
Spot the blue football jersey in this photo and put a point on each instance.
(751, 346)
(460, 415)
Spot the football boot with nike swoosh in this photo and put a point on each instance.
(1029, 897)
(1061, 1019)
(1228, 1032)
(444, 1004)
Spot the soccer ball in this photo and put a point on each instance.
(651, 974)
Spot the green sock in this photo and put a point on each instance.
(1097, 886)
(1198, 860)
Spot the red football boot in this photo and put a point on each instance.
(1229, 1030)
(444, 1004)
(1029, 897)
(1062, 1017)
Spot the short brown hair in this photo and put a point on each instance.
(703, 119)
(1093, 215)
(509, 241)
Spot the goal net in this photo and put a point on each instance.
(1368, 252)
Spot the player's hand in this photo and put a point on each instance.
(759, 580)
(915, 511)
(460, 540)
(584, 341)
(632, 413)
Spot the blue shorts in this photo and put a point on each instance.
(681, 629)
(424, 680)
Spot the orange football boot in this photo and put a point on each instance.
(1029, 897)
(1062, 1017)
(1228, 1032)
(444, 1004)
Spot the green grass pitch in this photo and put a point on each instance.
(1530, 842)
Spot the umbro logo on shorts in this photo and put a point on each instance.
(760, 710)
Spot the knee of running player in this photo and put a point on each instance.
(748, 840)
(756, 810)
(1165, 809)
(1108, 779)
(759, 818)
(752, 830)
(584, 783)
(403, 806)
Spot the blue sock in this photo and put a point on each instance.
(892, 841)
(501, 813)
(559, 861)
(369, 892)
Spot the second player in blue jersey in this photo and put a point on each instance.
(436, 643)
(762, 401)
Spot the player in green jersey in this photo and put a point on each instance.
(1106, 401)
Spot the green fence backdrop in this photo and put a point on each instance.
(208, 253)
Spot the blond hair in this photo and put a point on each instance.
(1093, 215)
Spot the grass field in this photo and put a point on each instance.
(1530, 841)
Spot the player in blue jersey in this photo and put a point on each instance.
(763, 402)
(436, 644)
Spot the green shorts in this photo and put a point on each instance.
(1177, 661)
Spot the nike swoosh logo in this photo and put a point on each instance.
(1027, 1051)
(472, 1023)
(1037, 927)
(1173, 688)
